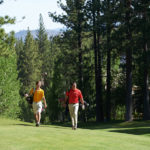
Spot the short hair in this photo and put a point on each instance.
(73, 83)
(37, 82)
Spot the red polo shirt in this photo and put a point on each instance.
(74, 96)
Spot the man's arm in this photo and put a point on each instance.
(44, 100)
(82, 101)
(30, 93)
(81, 98)
(66, 98)
(65, 102)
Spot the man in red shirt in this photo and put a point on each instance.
(73, 97)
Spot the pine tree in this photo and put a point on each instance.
(10, 86)
(109, 9)
(74, 20)
(29, 63)
(94, 7)
(46, 55)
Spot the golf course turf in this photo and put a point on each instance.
(18, 135)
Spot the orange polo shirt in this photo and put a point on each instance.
(38, 95)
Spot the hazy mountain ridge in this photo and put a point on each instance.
(22, 34)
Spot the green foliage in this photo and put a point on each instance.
(9, 97)
(6, 20)
(29, 64)
(70, 57)
(46, 54)
(6, 42)
(9, 87)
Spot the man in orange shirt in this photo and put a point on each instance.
(37, 101)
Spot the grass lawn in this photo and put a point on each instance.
(17, 135)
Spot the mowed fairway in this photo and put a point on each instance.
(17, 135)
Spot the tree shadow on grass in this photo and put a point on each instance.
(88, 125)
(137, 127)
(22, 124)
(135, 131)
(60, 124)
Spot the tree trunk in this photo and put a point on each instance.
(99, 69)
(95, 59)
(146, 74)
(79, 31)
(146, 86)
(108, 80)
(80, 61)
(99, 80)
(128, 116)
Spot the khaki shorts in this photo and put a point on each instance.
(37, 107)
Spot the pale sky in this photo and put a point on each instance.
(31, 10)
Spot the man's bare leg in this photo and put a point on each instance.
(39, 117)
(36, 118)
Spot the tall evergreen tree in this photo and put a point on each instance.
(9, 85)
(45, 54)
(74, 20)
(108, 10)
(94, 7)
(29, 72)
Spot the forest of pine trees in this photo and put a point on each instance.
(104, 48)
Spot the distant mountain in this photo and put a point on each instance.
(22, 34)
